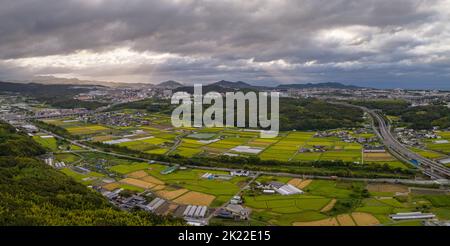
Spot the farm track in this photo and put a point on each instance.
(237, 194)
(178, 141)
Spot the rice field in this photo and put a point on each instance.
(315, 206)
(128, 168)
(66, 157)
(148, 176)
(86, 179)
(87, 129)
(439, 147)
(428, 154)
(47, 142)
(288, 210)
(302, 146)
(158, 138)
(146, 144)
(77, 127)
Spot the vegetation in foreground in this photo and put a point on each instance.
(32, 193)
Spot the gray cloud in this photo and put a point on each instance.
(379, 41)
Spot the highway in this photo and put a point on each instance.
(428, 167)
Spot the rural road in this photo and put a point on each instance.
(237, 194)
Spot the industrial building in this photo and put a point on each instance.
(234, 211)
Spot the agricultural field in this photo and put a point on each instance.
(321, 204)
(79, 128)
(428, 153)
(67, 158)
(86, 179)
(158, 137)
(145, 144)
(291, 146)
(128, 168)
(87, 129)
(303, 146)
(181, 186)
(439, 147)
(383, 158)
(96, 162)
(48, 142)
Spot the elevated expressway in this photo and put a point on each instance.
(382, 128)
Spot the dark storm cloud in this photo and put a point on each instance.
(285, 41)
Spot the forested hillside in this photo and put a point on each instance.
(427, 117)
(388, 106)
(419, 117)
(32, 193)
(60, 96)
(314, 114)
(295, 114)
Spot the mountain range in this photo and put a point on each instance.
(172, 85)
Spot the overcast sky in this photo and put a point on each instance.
(384, 43)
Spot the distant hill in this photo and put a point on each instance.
(170, 84)
(60, 96)
(51, 80)
(234, 85)
(333, 85)
(41, 90)
(222, 86)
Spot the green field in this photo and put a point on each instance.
(293, 145)
(285, 148)
(87, 129)
(86, 179)
(128, 168)
(158, 138)
(146, 144)
(67, 157)
(158, 151)
(288, 146)
(285, 210)
(49, 143)
(427, 153)
(394, 164)
(190, 179)
(439, 147)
